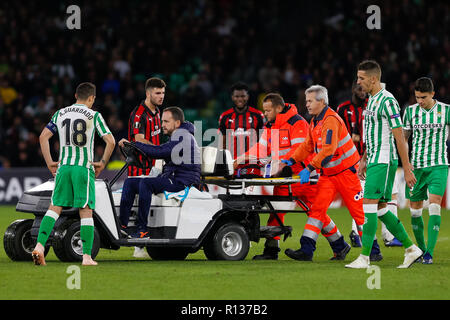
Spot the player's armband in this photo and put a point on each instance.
(52, 127)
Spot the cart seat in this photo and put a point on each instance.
(216, 162)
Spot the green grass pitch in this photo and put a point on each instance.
(120, 276)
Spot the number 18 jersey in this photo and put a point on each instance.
(76, 126)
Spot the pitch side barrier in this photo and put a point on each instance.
(14, 181)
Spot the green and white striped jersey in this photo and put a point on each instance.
(429, 130)
(76, 126)
(382, 114)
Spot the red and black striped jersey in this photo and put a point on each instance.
(241, 129)
(143, 121)
(353, 117)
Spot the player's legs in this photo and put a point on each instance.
(434, 180)
(74, 187)
(84, 198)
(392, 223)
(148, 187)
(388, 238)
(376, 195)
(416, 196)
(62, 196)
(87, 235)
(437, 182)
(129, 191)
(45, 229)
(434, 225)
(374, 189)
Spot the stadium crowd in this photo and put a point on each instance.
(200, 48)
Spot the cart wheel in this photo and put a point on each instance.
(230, 242)
(17, 241)
(164, 253)
(67, 243)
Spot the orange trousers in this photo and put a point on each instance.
(307, 193)
(349, 187)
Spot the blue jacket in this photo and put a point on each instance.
(181, 155)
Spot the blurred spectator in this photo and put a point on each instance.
(111, 85)
(268, 75)
(7, 93)
(222, 42)
(192, 95)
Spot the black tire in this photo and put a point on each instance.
(167, 253)
(67, 243)
(18, 242)
(229, 242)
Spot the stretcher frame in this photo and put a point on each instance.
(254, 204)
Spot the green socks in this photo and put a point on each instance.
(46, 227)
(418, 227)
(369, 228)
(87, 234)
(86, 230)
(434, 224)
(394, 225)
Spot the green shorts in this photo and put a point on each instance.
(380, 180)
(431, 179)
(74, 187)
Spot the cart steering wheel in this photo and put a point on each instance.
(135, 156)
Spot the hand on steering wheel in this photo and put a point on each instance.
(134, 156)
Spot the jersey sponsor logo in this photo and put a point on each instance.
(241, 132)
(137, 125)
(369, 113)
(155, 133)
(394, 116)
(428, 126)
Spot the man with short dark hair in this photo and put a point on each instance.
(382, 124)
(144, 126)
(181, 155)
(75, 171)
(240, 125)
(427, 121)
